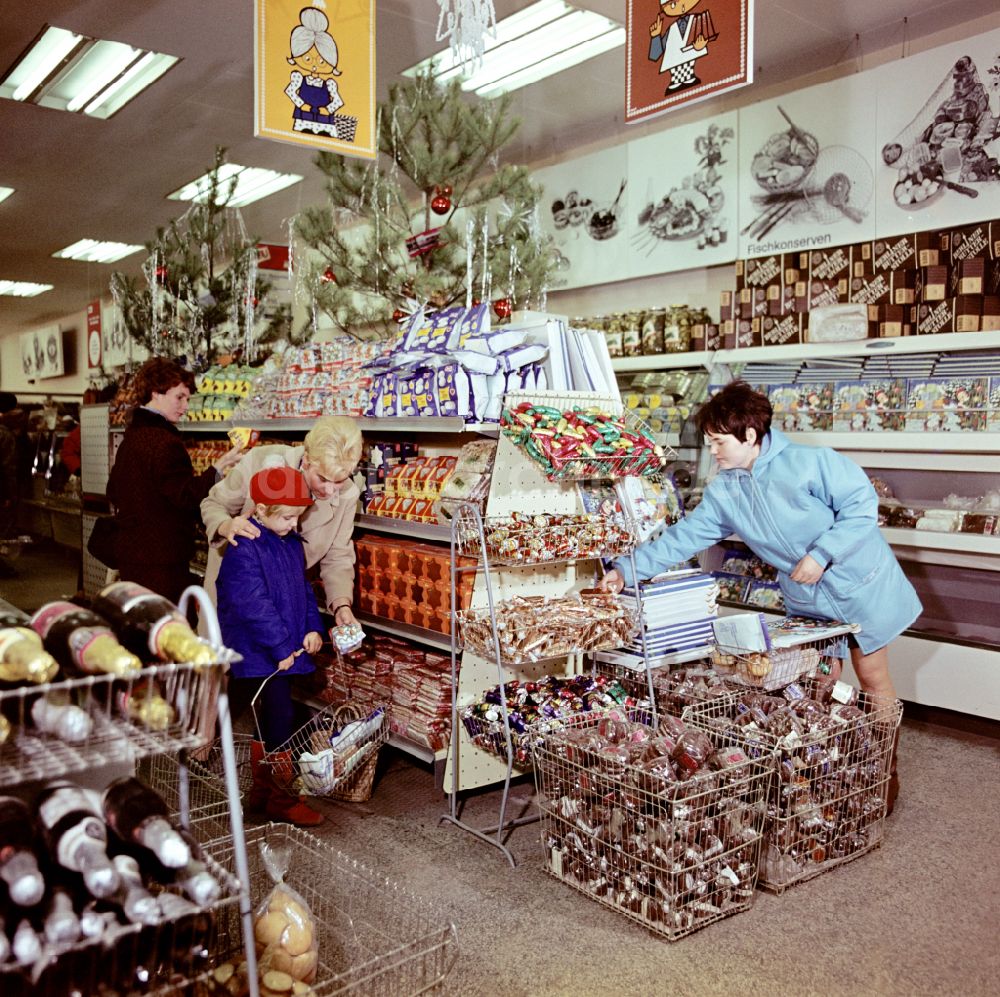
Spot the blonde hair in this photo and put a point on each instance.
(334, 445)
(273, 510)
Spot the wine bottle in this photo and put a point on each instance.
(61, 925)
(11, 616)
(54, 713)
(77, 837)
(18, 854)
(81, 641)
(149, 624)
(25, 946)
(136, 902)
(138, 815)
(141, 702)
(185, 933)
(194, 879)
(23, 658)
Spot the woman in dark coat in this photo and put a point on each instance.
(153, 485)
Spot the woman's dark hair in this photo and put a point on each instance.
(160, 375)
(734, 410)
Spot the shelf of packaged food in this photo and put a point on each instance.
(432, 638)
(422, 751)
(903, 442)
(663, 361)
(405, 528)
(399, 424)
(944, 342)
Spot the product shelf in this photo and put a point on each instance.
(405, 528)
(397, 424)
(432, 638)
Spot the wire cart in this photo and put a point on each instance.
(620, 828)
(831, 759)
(374, 937)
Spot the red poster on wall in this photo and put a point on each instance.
(94, 344)
(679, 52)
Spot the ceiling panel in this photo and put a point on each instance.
(78, 177)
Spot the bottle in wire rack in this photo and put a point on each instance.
(148, 624)
(139, 816)
(61, 925)
(82, 642)
(138, 905)
(18, 853)
(23, 659)
(56, 714)
(195, 879)
(76, 837)
(142, 703)
(185, 933)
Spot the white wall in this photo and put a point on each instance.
(12, 378)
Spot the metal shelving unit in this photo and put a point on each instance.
(397, 424)
(404, 528)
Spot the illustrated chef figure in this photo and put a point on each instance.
(313, 89)
(680, 38)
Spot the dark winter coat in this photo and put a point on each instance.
(266, 603)
(157, 494)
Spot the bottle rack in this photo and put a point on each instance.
(518, 484)
(115, 738)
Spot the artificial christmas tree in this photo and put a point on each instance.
(436, 221)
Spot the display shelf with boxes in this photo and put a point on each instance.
(532, 618)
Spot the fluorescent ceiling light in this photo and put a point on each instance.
(5, 192)
(543, 39)
(251, 184)
(71, 72)
(97, 252)
(22, 289)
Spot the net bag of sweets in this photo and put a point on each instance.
(284, 927)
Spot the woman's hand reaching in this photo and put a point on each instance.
(229, 459)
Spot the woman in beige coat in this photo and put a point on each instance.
(327, 459)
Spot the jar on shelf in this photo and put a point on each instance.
(653, 323)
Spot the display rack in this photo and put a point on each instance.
(116, 737)
(518, 484)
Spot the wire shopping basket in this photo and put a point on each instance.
(333, 754)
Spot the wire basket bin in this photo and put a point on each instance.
(790, 648)
(620, 825)
(333, 754)
(573, 442)
(162, 957)
(830, 747)
(533, 628)
(374, 937)
(79, 724)
(545, 538)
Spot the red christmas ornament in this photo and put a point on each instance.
(440, 205)
(502, 307)
(476, 302)
(328, 276)
(398, 315)
(161, 274)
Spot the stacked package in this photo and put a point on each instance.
(677, 611)
(327, 378)
(415, 681)
(449, 363)
(219, 392)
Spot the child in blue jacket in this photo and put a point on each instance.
(268, 613)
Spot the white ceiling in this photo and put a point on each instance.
(78, 177)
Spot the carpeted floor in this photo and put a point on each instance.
(918, 916)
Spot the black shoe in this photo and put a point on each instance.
(693, 82)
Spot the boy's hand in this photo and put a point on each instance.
(286, 663)
(313, 642)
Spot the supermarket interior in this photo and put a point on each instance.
(456, 537)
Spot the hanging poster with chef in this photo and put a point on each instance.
(938, 126)
(806, 174)
(684, 201)
(585, 207)
(314, 74)
(678, 52)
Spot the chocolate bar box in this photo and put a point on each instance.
(870, 405)
(947, 404)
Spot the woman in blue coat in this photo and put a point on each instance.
(268, 613)
(808, 511)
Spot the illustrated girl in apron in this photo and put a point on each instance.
(313, 88)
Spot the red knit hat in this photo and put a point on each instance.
(280, 486)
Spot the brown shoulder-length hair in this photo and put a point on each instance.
(160, 375)
(734, 410)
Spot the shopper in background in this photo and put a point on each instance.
(70, 452)
(327, 459)
(808, 511)
(8, 467)
(153, 485)
(268, 613)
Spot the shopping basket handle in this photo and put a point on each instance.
(256, 696)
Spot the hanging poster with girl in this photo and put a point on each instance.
(314, 74)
